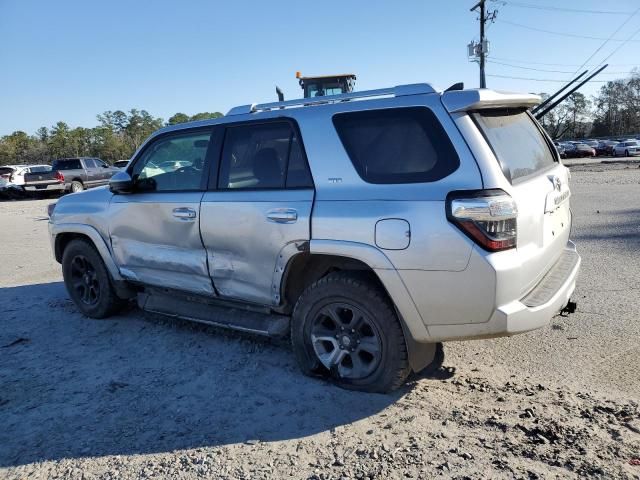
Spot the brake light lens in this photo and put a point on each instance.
(488, 217)
(59, 177)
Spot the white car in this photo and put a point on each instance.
(627, 148)
(14, 174)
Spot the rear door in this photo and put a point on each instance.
(259, 205)
(155, 231)
(539, 184)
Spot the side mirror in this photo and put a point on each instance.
(105, 166)
(121, 182)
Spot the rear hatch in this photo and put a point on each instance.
(531, 174)
(536, 181)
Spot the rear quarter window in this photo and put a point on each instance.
(401, 145)
(71, 164)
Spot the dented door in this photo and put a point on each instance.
(155, 230)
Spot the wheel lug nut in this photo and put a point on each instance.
(342, 328)
(353, 330)
(357, 341)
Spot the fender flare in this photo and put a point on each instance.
(57, 229)
(420, 348)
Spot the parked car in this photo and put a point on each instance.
(80, 173)
(436, 216)
(627, 148)
(121, 164)
(15, 173)
(561, 149)
(605, 147)
(579, 150)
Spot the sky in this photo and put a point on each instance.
(71, 60)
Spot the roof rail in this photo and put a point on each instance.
(397, 91)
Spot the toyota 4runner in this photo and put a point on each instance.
(369, 226)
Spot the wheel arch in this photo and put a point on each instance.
(326, 256)
(64, 233)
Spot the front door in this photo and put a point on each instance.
(258, 208)
(155, 232)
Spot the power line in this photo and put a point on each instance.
(609, 39)
(558, 9)
(620, 46)
(540, 79)
(562, 34)
(562, 64)
(550, 71)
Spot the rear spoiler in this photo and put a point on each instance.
(478, 99)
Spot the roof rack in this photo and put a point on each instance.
(397, 91)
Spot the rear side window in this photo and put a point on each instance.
(403, 145)
(516, 141)
(263, 156)
(70, 164)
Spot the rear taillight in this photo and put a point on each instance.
(59, 177)
(488, 217)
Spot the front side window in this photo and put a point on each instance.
(89, 163)
(263, 156)
(402, 145)
(174, 162)
(517, 142)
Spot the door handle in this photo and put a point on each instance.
(184, 213)
(282, 215)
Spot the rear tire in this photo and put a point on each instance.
(345, 327)
(88, 281)
(76, 186)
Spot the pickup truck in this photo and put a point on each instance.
(41, 178)
(79, 173)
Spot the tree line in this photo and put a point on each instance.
(117, 135)
(613, 112)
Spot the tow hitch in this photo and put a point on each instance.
(568, 309)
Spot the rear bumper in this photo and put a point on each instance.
(48, 188)
(533, 311)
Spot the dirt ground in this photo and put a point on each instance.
(138, 396)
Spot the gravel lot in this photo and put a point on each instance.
(141, 397)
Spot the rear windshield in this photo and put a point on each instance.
(39, 169)
(70, 164)
(519, 146)
(401, 145)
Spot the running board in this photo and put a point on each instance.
(196, 310)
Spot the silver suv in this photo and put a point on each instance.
(370, 226)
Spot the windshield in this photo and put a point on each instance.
(69, 164)
(517, 142)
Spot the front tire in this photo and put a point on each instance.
(88, 281)
(344, 326)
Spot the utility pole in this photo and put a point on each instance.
(479, 51)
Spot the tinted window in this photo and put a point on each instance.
(173, 162)
(257, 156)
(68, 164)
(517, 142)
(39, 169)
(405, 145)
